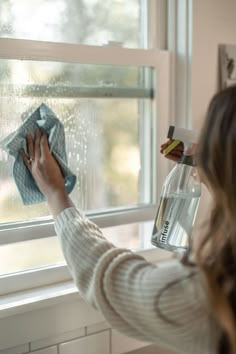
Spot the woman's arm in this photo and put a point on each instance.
(165, 305)
(155, 304)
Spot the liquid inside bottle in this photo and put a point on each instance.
(174, 221)
(178, 208)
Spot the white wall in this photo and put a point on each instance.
(214, 23)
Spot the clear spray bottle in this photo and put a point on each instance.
(179, 198)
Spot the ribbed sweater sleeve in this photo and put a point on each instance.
(165, 305)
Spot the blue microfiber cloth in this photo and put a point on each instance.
(45, 119)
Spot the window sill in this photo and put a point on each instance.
(37, 298)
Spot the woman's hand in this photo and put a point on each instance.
(46, 172)
(176, 153)
(42, 165)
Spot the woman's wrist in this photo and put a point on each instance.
(58, 201)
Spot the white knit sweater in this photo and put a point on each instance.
(163, 305)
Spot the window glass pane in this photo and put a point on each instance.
(100, 107)
(72, 21)
(25, 255)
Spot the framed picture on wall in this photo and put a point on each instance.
(228, 65)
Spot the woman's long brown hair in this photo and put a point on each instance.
(216, 254)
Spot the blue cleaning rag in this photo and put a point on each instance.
(45, 119)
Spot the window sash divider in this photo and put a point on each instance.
(76, 53)
(75, 91)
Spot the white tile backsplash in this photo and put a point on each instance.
(121, 344)
(93, 344)
(60, 338)
(71, 328)
(151, 349)
(51, 350)
(94, 339)
(22, 349)
(97, 327)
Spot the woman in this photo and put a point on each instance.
(189, 308)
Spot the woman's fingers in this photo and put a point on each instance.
(30, 146)
(33, 147)
(26, 159)
(174, 154)
(178, 148)
(166, 144)
(38, 135)
(45, 152)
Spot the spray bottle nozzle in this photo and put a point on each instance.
(188, 137)
(184, 135)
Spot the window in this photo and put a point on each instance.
(114, 104)
(100, 108)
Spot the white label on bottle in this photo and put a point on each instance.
(164, 233)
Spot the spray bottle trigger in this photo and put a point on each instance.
(171, 147)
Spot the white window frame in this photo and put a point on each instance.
(152, 56)
(179, 42)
